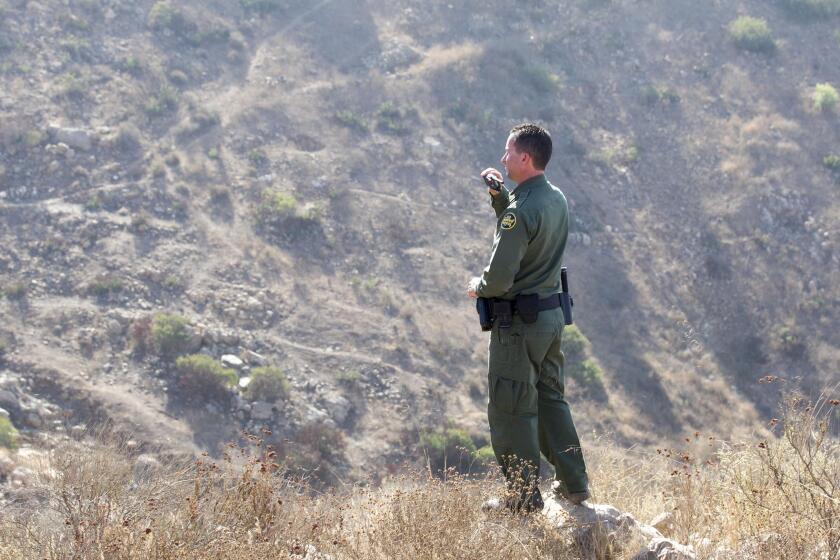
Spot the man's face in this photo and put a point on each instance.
(513, 160)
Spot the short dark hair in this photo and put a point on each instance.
(533, 140)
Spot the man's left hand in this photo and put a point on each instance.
(472, 286)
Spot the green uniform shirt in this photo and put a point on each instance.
(531, 233)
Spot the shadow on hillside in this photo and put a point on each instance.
(341, 32)
(628, 370)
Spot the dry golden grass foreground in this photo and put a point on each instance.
(772, 499)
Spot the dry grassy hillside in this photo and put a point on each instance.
(293, 185)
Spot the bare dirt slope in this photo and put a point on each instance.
(298, 181)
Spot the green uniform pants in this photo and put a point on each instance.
(528, 413)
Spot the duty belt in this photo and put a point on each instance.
(544, 304)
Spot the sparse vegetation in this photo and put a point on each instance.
(202, 379)
(752, 34)
(541, 78)
(353, 121)
(105, 286)
(260, 6)
(199, 121)
(170, 334)
(72, 87)
(587, 373)
(275, 206)
(350, 378)
(448, 448)
(267, 384)
(162, 102)
(16, 290)
(655, 95)
(8, 434)
(812, 8)
(825, 98)
(832, 162)
(257, 157)
(574, 344)
(392, 119)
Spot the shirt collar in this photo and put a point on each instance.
(525, 187)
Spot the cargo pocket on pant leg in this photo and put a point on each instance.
(508, 357)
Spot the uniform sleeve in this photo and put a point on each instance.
(509, 247)
(500, 202)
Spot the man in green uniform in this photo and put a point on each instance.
(527, 412)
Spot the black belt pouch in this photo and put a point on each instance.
(503, 313)
(528, 307)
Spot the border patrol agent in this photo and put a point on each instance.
(527, 412)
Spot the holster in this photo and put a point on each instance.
(485, 313)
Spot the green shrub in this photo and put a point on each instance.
(170, 334)
(485, 457)
(352, 120)
(77, 48)
(541, 78)
(752, 34)
(267, 384)
(825, 98)
(130, 65)
(587, 373)
(72, 87)
(832, 162)
(448, 448)
(8, 434)
(16, 290)
(257, 157)
(105, 286)
(392, 119)
(164, 15)
(201, 378)
(349, 378)
(275, 206)
(164, 101)
(574, 343)
(654, 95)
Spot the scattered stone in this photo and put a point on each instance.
(34, 420)
(664, 523)
(231, 361)
(661, 548)
(596, 523)
(9, 402)
(72, 137)
(7, 465)
(337, 406)
(21, 476)
(244, 382)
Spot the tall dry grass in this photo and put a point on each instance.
(778, 499)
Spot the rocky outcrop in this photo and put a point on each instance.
(599, 527)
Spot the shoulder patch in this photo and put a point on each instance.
(508, 221)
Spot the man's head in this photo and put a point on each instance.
(527, 152)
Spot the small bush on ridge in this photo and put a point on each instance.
(267, 384)
(752, 34)
(171, 334)
(8, 434)
(201, 378)
(825, 98)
